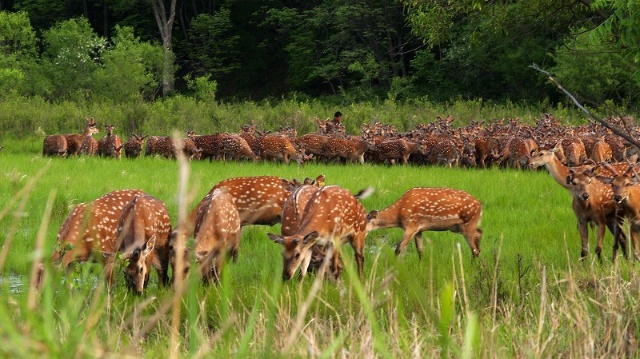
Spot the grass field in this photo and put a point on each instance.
(527, 295)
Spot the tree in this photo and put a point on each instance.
(164, 20)
(17, 49)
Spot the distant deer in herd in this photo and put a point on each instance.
(217, 233)
(133, 146)
(90, 230)
(111, 144)
(431, 209)
(142, 237)
(332, 217)
(74, 141)
(67, 145)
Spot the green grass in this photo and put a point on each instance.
(528, 273)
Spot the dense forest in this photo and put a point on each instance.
(123, 50)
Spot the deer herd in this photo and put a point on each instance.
(132, 229)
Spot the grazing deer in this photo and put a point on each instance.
(143, 238)
(133, 146)
(236, 147)
(111, 144)
(217, 234)
(90, 229)
(332, 216)
(350, 149)
(54, 145)
(259, 201)
(277, 147)
(396, 149)
(74, 141)
(431, 209)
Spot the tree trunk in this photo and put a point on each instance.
(165, 26)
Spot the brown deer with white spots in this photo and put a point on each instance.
(236, 147)
(626, 194)
(312, 143)
(259, 201)
(349, 149)
(111, 144)
(396, 150)
(333, 216)
(590, 203)
(54, 145)
(431, 209)
(593, 203)
(90, 230)
(142, 237)
(277, 147)
(74, 141)
(217, 233)
(133, 146)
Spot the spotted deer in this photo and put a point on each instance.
(89, 146)
(593, 203)
(277, 147)
(111, 144)
(332, 216)
(626, 194)
(590, 204)
(349, 149)
(259, 201)
(142, 236)
(431, 209)
(236, 147)
(312, 143)
(160, 146)
(209, 145)
(54, 145)
(90, 230)
(601, 151)
(133, 146)
(216, 234)
(397, 149)
(74, 141)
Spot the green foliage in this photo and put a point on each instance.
(600, 74)
(621, 27)
(203, 88)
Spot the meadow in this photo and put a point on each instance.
(527, 295)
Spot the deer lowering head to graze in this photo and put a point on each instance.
(395, 150)
(236, 147)
(259, 200)
(593, 203)
(133, 146)
(348, 149)
(74, 141)
(292, 212)
(142, 236)
(332, 216)
(111, 144)
(54, 145)
(216, 234)
(91, 228)
(160, 146)
(432, 209)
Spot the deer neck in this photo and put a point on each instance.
(558, 171)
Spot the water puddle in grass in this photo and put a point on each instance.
(13, 283)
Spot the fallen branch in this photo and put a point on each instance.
(615, 129)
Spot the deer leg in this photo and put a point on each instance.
(408, 235)
(584, 237)
(614, 223)
(418, 240)
(635, 238)
(601, 228)
(357, 242)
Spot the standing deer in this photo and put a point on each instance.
(111, 144)
(133, 146)
(332, 216)
(143, 238)
(589, 203)
(431, 209)
(90, 229)
(54, 145)
(74, 141)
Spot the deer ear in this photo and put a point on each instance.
(310, 238)
(372, 215)
(568, 179)
(276, 238)
(149, 245)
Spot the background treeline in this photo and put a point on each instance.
(338, 51)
